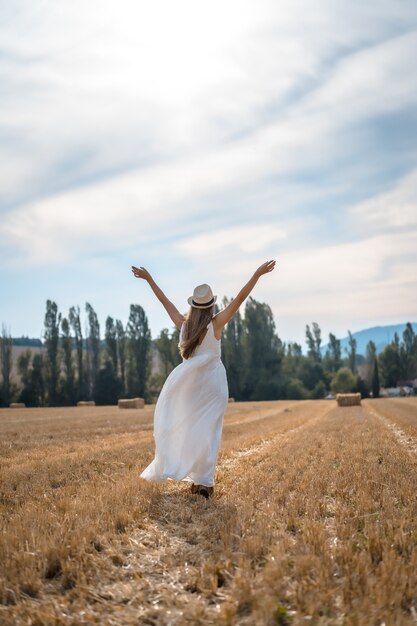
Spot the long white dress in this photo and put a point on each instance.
(188, 417)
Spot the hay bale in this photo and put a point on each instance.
(131, 403)
(17, 405)
(348, 399)
(86, 403)
(231, 399)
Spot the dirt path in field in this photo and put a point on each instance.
(163, 563)
(389, 416)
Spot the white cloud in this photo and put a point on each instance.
(95, 87)
(153, 199)
(232, 242)
(136, 124)
(392, 209)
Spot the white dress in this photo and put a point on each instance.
(188, 417)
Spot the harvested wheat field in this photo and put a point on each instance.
(314, 519)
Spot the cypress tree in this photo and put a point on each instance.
(51, 338)
(74, 319)
(375, 380)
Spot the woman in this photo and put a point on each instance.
(189, 412)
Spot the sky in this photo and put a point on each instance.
(199, 140)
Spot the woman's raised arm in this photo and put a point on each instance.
(221, 319)
(171, 309)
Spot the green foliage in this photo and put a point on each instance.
(295, 390)
(75, 322)
(33, 391)
(139, 343)
(111, 342)
(93, 349)
(313, 338)
(344, 381)
(51, 341)
(389, 361)
(108, 386)
(121, 352)
(310, 373)
(319, 391)
(351, 352)
(408, 353)
(375, 381)
(6, 367)
(233, 354)
(333, 357)
(167, 346)
(259, 366)
(68, 384)
(362, 387)
(263, 354)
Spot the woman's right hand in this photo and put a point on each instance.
(141, 272)
(265, 268)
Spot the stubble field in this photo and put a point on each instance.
(313, 519)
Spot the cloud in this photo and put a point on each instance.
(178, 128)
(394, 209)
(152, 200)
(250, 239)
(90, 91)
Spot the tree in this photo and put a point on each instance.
(351, 352)
(344, 381)
(167, 347)
(319, 391)
(37, 380)
(6, 343)
(310, 373)
(93, 348)
(68, 391)
(75, 322)
(313, 338)
(111, 343)
(375, 381)
(233, 353)
(295, 390)
(139, 341)
(390, 366)
(370, 360)
(108, 385)
(122, 352)
(408, 353)
(33, 389)
(264, 352)
(51, 339)
(333, 357)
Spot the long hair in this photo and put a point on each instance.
(195, 325)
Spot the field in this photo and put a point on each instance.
(314, 519)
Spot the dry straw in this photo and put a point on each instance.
(348, 399)
(132, 403)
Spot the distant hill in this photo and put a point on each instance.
(27, 342)
(380, 335)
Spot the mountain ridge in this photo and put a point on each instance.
(380, 335)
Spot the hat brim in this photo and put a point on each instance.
(201, 306)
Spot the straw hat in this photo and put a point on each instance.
(202, 297)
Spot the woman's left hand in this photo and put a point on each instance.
(141, 272)
(265, 268)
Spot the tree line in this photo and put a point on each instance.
(74, 366)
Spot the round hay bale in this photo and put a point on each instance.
(348, 399)
(231, 399)
(17, 405)
(131, 403)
